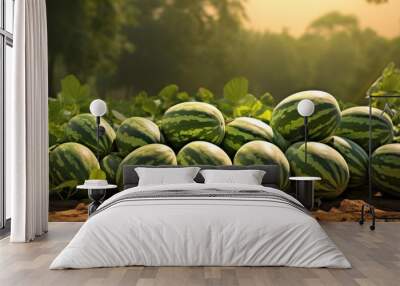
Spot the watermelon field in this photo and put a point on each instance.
(232, 126)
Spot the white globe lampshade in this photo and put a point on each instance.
(98, 107)
(305, 107)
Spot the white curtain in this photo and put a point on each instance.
(26, 124)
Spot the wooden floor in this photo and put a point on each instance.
(375, 257)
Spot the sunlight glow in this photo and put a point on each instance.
(295, 16)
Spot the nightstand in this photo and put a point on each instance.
(305, 190)
(96, 195)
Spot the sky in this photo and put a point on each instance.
(296, 15)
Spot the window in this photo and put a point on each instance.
(6, 65)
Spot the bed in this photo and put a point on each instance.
(199, 224)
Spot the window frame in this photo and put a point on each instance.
(6, 39)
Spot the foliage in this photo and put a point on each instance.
(86, 37)
(205, 43)
(388, 84)
(73, 99)
(377, 1)
(235, 101)
(126, 51)
(65, 190)
(188, 41)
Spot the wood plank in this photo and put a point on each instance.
(375, 257)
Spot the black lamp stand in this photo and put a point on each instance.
(100, 131)
(305, 138)
(368, 208)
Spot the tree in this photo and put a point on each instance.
(85, 37)
(334, 22)
(187, 42)
(204, 44)
(377, 1)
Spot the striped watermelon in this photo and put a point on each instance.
(288, 122)
(323, 161)
(152, 155)
(82, 129)
(109, 164)
(71, 161)
(135, 132)
(356, 158)
(202, 153)
(192, 121)
(264, 153)
(355, 126)
(245, 129)
(385, 163)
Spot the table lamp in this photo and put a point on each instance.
(98, 108)
(305, 108)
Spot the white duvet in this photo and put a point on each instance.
(200, 231)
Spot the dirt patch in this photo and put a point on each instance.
(79, 213)
(348, 210)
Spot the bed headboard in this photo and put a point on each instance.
(271, 178)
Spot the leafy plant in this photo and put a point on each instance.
(237, 101)
(65, 190)
(73, 99)
(388, 84)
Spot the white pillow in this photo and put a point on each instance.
(247, 177)
(166, 176)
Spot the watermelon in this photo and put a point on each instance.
(245, 129)
(152, 155)
(71, 161)
(202, 153)
(356, 158)
(82, 129)
(264, 153)
(385, 162)
(355, 126)
(288, 122)
(192, 121)
(109, 164)
(135, 132)
(322, 161)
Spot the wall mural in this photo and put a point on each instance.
(178, 128)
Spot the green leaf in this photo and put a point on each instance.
(97, 174)
(70, 184)
(267, 99)
(248, 100)
(241, 110)
(150, 106)
(245, 106)
(72, 91)
(262, 112)
(183, 96)
(205, 95)
(168, 95)
(168, 92)
(388, 83)
(225, 107)
(236, 89)
(55, 111)
(56, 133)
